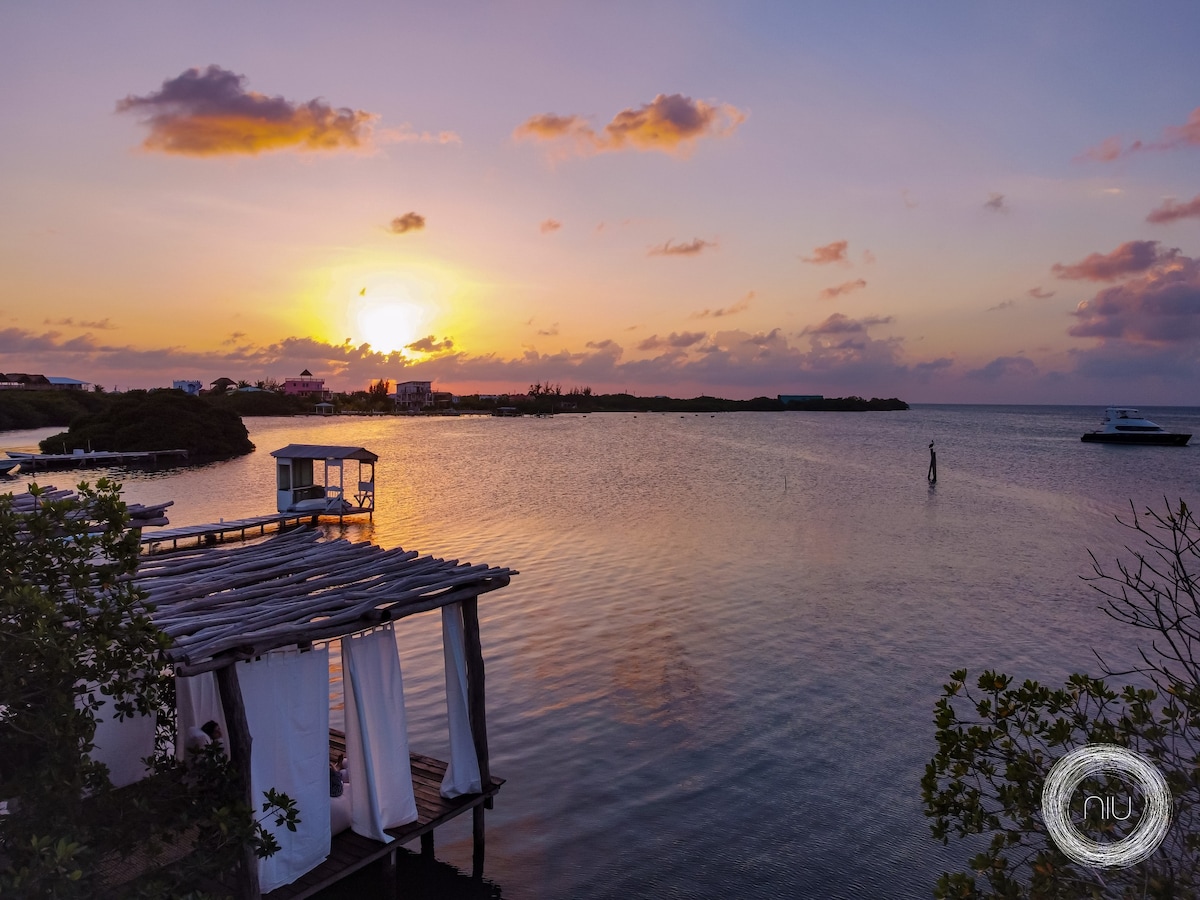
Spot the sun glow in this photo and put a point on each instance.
(388, 323)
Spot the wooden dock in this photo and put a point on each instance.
(220, 531)
(350, 852)
(32, 461)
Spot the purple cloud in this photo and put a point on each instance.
(210, 113)
(1130, 258)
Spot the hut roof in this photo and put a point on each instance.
(222, 605)
(324, 451)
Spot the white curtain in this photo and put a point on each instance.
(197, 700)
(462, 775)
(381, 788)
(286, 696)
(122, 745)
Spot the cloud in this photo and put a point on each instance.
(868, 257)
(830, 253)
(549, 225)
(996, 203)
(845, 287)
(410, 221)
(670, 123)
(696, 246)
(909, 202)
(741, 306)
(1005, 366)
(406, 135)
(840, 324)
(552, 331)
(1038, 294)
(1130, 258)
(209, 113)
(1106, 151)
(1170, 211)
(1173, 138)
(98, 325)
(674, 341)
(1003, 304)
(430, 344)
(1162, 306)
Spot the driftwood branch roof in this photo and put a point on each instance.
(324, 451)
(222, 605)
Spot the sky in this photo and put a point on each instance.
(938, 201)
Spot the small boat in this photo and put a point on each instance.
(1124, 425)
(13, 454)
(9, 466)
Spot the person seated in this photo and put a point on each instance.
(199, 738)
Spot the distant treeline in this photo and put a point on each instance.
(575, 402)
(42, 409)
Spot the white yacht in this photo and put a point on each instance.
(1125, 425)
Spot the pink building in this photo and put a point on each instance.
(307, 385)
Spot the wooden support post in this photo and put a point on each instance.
(427, 845)
(475, 688)
(477, 833)
(389, 875)
(476, 707)
(239, 754)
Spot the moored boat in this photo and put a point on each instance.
(1125, 425)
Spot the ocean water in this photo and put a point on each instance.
(715, 674)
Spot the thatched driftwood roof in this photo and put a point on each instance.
(221, 605)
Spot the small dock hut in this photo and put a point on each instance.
(251, 629)
(298, 488)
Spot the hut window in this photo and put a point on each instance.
(302, 473)
(284, 477)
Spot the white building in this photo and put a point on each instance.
(188, 387)
(414, 395)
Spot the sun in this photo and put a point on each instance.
(387, 323)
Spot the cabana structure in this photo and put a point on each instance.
(298, 489)
(252, 629)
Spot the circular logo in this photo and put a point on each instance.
(1106, 759)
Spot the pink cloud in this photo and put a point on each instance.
(670, 123)
(741, 306)
(1162, 306)
(549, 225)
(1170, 211)
(845, 287)
(830, 253)
(1038, 294)
(673, 341)
(692, 248)
(410, 221)
(1173, 138)
(1130, 258)
(840, 324)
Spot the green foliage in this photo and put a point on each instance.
(39, 409)
(74, 631)
(157, 420)
(997, 741)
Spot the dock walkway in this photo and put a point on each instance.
(218, 531)
(34, 461)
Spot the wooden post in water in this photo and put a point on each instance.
(476, 707)
(239, 754)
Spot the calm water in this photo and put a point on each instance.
(715, 675)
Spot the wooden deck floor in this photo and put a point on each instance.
(350, 852)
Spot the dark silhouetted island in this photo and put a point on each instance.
(156, 420)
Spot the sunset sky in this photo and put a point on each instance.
(941, 201)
